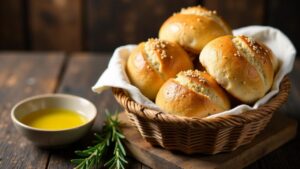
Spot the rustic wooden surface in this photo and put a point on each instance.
(102, 25)
(280, 130)
(26, 74)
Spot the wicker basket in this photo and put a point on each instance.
(192, 135)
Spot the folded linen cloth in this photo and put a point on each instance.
(282, 47)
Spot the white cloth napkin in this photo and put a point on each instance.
(282, 47)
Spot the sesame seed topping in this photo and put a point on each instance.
(198, 10)
(154, 45)
(250, 41)
(212, 12)
(194, 74)
(254, 47)
(237, 53)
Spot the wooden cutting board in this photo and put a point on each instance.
(280, 130)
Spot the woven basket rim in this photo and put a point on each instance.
(224, 121)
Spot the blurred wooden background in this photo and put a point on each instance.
(102, 25)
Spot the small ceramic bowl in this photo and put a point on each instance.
(53, 138)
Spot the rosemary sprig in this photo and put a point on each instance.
(111, 137)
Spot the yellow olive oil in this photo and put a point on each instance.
(54, 119)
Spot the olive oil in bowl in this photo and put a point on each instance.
(54, 119)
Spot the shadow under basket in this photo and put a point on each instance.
(193, 135)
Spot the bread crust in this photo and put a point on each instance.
(193, 27)
(240, 65)
(149, 67)
(179, 98)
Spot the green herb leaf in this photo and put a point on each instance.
(110, 137)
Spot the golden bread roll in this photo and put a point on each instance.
(242, 66)
(193, 27)
(274, 60)
(193, 94)
(153, 62)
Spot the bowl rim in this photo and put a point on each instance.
(52, 95)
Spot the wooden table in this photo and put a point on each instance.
(27, 74)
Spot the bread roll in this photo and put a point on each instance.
(193, 27)
(193, 94)
(153, 62)
(274, 60)
(241, 65)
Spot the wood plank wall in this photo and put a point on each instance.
(55, 24)
(12, 25)
(102, 25)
